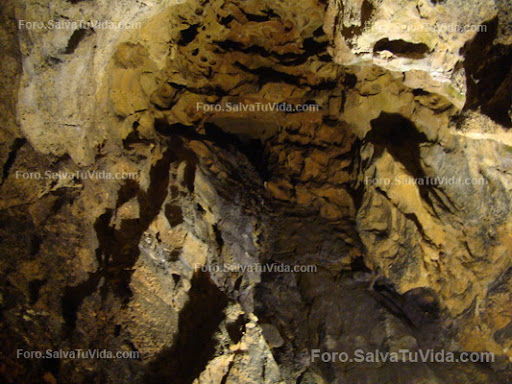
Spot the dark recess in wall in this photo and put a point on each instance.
(488, 69)
(402, 48)
(402, 139)
(75, 39)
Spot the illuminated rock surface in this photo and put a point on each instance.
(396, 187)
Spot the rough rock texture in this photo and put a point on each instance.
(421, 38)
(451, 237)
(140, 264)
(10, 69)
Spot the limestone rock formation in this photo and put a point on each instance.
(157, 170)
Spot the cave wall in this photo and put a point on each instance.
(117, 263)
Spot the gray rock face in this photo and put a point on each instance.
(160, 195)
